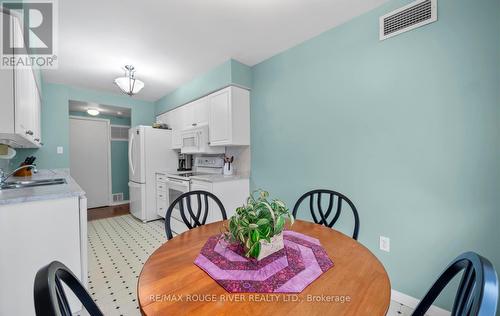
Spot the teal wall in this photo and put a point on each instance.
(55, 120)
(408, 128)
(119, 168)
(230, 72)
(119, 155)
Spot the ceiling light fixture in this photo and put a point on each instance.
(93, 112)
(129, 84)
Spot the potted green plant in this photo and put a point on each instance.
(258, 225)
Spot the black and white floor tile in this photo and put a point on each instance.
(118, 247)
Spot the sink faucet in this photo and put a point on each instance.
(4, 177)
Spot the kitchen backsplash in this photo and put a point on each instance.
(242, 159)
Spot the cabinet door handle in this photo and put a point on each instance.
(28, 132)
(194, 124)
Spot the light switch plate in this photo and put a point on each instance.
(60, 150)
(385, 244)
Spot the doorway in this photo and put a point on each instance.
(90, 158)
(91, 175)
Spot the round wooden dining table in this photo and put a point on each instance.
(171, 284)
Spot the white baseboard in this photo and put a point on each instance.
(413, 302)
(119, 203)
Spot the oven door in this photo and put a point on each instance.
(175, 188)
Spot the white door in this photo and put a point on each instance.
(220, 116)
(89, 159)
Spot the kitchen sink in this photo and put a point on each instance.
(31, 183)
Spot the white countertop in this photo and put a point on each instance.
(218, 177)
(71, 188)
(209, 177)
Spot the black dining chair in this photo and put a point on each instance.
(192, 218)
(477, 293)
(50, 298)
(317, 207)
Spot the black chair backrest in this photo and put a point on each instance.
(323, 216)
(477, 293)
(50, 299)
(190, 218)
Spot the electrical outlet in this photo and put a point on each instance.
(385, 244)
(60, 150)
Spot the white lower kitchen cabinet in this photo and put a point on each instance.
(161, 194)
(32, 235)
(232, 193)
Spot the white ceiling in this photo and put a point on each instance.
(172, 41)
(79, 106)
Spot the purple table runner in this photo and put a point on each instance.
(289, 270)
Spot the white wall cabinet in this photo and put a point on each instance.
(229, 119)
(198, 112)
(174, 120)
(20, 106)
(227, 113)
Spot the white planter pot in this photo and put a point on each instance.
(268, 248)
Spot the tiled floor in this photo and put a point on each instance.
(118, 248)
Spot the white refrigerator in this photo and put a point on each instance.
(149, 151)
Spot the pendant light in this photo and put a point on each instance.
(129, 84)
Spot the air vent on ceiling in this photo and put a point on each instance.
(407, 18)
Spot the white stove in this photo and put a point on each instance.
(179, 183)
(203, 165)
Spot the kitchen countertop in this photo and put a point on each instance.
(218, 177)
(211, 177)
(58, 191)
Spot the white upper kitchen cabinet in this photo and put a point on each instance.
(20, 103)
(164, 118)
(190, 115)
(227, 113)
(229, 117)
(200, 110)
(195, 113)
(174, 120)
(177, 125)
